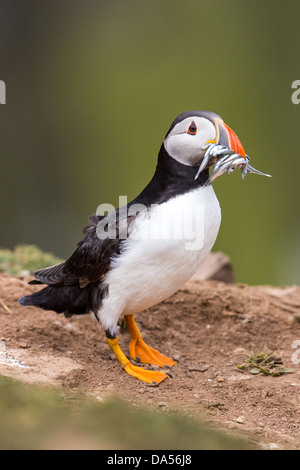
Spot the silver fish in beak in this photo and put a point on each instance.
(227, 161)
(226, 153)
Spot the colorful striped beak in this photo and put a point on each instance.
(228, 138)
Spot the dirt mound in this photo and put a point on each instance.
(210, 326)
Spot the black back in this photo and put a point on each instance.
(78, 285)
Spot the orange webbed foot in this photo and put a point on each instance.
(141, 352)
(151, 377)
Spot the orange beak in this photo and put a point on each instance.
(234, 141)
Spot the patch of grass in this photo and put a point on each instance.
(39, 418)
(25, 258)
(218, 406)
(266, 364)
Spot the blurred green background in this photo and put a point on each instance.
(92, 88)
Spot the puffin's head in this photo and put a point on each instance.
(191, 133)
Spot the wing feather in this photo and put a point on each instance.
(90, 261)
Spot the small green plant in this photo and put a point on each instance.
(218, 406)
(269, 364)
(25, 259)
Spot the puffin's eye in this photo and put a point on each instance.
(192, 129)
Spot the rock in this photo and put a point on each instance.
(216, 267)
(273, 446)
(200, 368)
(240, 420)
(239, 351)
(162, 405)
(228, 313)
(24, 273)
(263, 394)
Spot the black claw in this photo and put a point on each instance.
(176, 360)
(170, 375)
(167, 367)
(153, 384)
(137, 359)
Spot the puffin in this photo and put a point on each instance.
(140, 254)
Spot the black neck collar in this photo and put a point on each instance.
(171, 178)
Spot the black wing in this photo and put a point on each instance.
(90, 261)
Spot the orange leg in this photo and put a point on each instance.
(149, 376)
(141, 352)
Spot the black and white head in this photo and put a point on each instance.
(192, 132)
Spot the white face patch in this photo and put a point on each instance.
(186, 148)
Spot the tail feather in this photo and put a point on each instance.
(53, 276)
(70, 300)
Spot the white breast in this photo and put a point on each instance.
(164, 250)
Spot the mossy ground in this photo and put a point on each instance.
(42, 418)
(25, 259)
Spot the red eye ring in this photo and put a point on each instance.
(192, 129)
